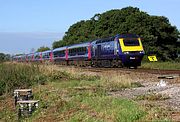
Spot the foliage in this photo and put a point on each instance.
(42, 49)
(158, 35)
(59, 43)
(4, 57)
(18, 76)
(14, 76)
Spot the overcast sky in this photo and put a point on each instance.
(27, 24)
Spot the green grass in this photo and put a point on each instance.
(7, 115)
(72, 104)
(152, 97)
(161, 65)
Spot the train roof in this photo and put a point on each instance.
(60, 48)
(36, 53)
(48, 51)
(30, 54)
(127, 36)
(111, 38)
(79, 45)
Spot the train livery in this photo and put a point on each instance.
(117, 51)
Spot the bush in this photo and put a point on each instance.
(19, 76)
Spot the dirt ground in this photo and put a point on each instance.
(153, 83)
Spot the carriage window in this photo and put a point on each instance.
(59, 53)
(37, 56)
(78, 51)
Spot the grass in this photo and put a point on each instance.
(114, 81)
(69, 94)
(67, 103)
(152, 97)
(161, 65)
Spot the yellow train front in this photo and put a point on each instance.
(129, 49)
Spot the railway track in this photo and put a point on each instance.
(150, 71)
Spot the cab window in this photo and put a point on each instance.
(131, 42)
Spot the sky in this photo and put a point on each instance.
(30, 24)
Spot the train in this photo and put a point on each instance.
(121, 50)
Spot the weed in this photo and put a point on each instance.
(161, 65)
(115, 82)
(18, 76)
(152, 97)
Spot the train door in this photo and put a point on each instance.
(116, 47)
(98, 51)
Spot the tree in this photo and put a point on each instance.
(42, 49)
(158, 35)
(4, 57)
(59, 43)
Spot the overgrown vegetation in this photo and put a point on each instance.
(14, 76)
(161, 65)
(68, 94)
(18, 76)
(152, 97)
(158, 35)
(115, 82)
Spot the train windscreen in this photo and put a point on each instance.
(131, 42)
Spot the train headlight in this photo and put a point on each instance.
(141, 52)
(126, 52)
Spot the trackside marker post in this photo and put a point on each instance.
(152, 58)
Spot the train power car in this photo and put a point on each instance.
(120, 50)
(131, 50)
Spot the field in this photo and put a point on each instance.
(76, 94)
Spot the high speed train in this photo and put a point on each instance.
(116, 51)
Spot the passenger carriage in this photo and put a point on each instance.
(79, 54)
(60, 55)
(38, 57)
(47, 56)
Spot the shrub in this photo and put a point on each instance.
(19, 76)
